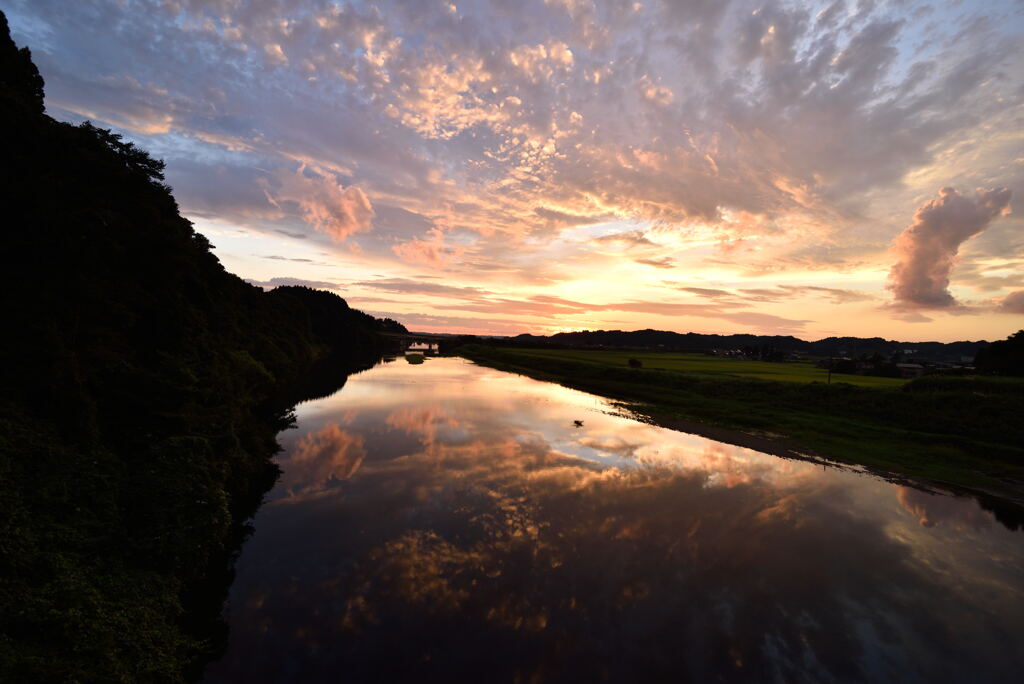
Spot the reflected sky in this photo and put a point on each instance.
(446, 521)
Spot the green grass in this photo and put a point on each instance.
(795, 371)
(960, 432)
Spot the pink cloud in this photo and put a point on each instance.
(320, 458)
(927, 249)
(1013, 303)
(423, 421)
(327, 206)
(431, 251)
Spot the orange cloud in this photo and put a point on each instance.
(421, 421)
(321, 458)
(927, 249)
(433, 251)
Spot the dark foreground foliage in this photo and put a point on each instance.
(142, 388)
(1005, 357)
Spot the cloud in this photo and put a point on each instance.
(934, 510)
(664, 262)
(780, 293)
(992, 273)
(432, 251)
(561, 219)
(761, 294)
(910, 316)
(834, 294)
(1013, 303)
(410, 286)
(453, 324)
(425, 106)
(630, 238)
(324, 204)
(707, 292)
(926, 251)
(322, 459)
(424, 421)
(278, 257)
(761, 321)
(231, 192)
(554, 309)
(286, 281)
(549, 307)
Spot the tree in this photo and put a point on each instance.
(1005, 357)
(19, 77)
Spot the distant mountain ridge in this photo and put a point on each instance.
(697, 342)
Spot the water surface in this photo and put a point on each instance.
(450, 522)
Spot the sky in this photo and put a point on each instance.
(510, 166)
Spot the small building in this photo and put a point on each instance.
(424, 348)
(910, 370)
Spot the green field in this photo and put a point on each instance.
(795, 371)
(961, 432)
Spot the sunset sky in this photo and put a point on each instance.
(815, 168)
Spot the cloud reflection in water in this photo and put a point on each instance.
(484, 537)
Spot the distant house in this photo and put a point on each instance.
(910, 370)
(422, 348)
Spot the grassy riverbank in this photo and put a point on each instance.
(963, 432)
(795, 371)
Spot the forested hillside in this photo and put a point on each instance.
(142, 389)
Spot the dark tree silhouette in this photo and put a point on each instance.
(141, 390)
(19, 78)
(1005, 357)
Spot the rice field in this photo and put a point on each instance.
(790, 371)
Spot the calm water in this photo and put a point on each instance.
(449, 522)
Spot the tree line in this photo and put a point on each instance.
(142, 389)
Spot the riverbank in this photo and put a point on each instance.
(959, 433)
(116, 561)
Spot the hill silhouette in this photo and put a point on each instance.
(829, 346)
(143, 386)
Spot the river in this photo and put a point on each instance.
(449, 522)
